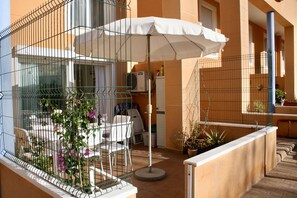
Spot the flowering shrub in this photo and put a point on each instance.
(71, 125)
(92, 114)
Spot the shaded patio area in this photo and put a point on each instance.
(171, 162)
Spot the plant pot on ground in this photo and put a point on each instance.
(192, 146)
(190, 138)
(192, 152)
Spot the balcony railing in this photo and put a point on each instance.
(68, 139)
(58, 107)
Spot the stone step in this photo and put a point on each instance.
(283, 147)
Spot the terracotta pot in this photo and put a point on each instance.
(192, 152)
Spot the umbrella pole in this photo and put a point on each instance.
(149, 173)
(149, 106)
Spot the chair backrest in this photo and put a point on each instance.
(94, 138)
(22, 138)
(121, 118)
(120, 131)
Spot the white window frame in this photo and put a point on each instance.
(251, 47)
(213, 20)
(214, 13)
(282, 61)
(266, 53)
(70, 16)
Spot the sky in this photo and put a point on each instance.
(4, 14)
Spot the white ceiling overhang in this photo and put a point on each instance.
(258, 17)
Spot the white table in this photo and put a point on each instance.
(47, 133)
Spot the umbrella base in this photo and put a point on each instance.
(156, 174)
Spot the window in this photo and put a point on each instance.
(265, 65)
(38, 81)
(282, 62)
(88, 13)
(208, 15)
(251, 47)
(208, 18)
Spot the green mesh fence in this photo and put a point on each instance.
(60, 122)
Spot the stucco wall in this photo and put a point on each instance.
(214, 172)
(38, 32)
(13, 185)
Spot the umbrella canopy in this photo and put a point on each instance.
(149, 39)
(170, 39)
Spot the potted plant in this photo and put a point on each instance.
(192, 146)
(191, 138)
(280, 96)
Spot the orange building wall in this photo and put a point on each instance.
(149, 8)
(259, 45)
(230, 77)
(46, 32)
(173, 84)
(258, 90)
(19, 8)
(171, 9)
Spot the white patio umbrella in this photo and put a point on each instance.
(149, 39)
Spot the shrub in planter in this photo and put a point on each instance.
(259, 106)
(291, 103)
(215, 138)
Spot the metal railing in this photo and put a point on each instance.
(58, 107)
(229, 89)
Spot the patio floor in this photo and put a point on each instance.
(171, 162)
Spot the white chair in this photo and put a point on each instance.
(23, 143)
(119, 132)
(93, 139)
(116, 119)
(121, 118)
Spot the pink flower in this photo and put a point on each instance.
(71, 152)
(87, 152)
(92, 114)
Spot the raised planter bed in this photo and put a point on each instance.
(290, 103)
